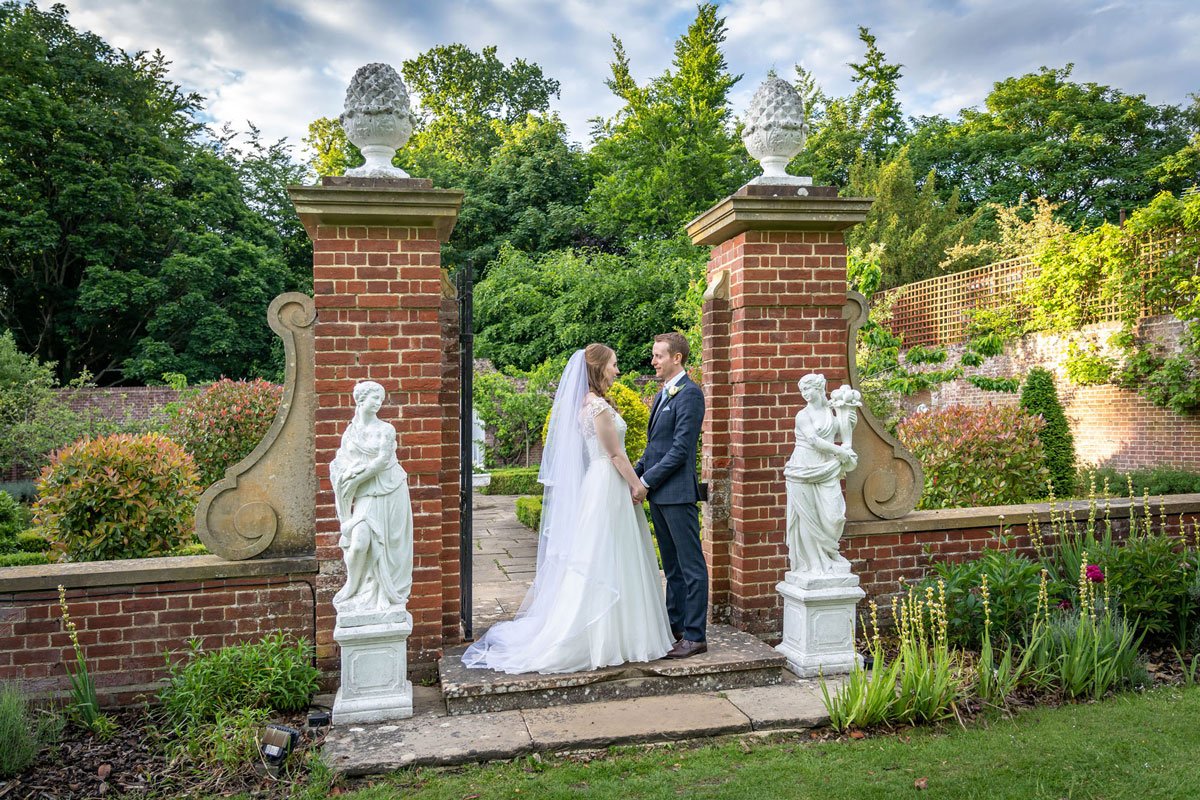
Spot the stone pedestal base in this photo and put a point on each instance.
(481, 479)
(375, 685)
(818, 623)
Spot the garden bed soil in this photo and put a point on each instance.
(133, 763)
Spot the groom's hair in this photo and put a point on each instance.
(676, 343)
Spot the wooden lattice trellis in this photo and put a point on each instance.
(937, 310)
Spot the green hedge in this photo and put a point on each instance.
(24, 559)
(529, 512)
(1158, 481)
(516, 480)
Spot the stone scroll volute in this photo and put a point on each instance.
(264, 504)
(888, 481)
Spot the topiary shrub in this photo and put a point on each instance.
(529, 512)
(514, 480)
(118, 496)
(222, 424)
(13, 520)
(976, 456)
(1039, 396)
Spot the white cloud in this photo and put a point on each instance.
(281, 63)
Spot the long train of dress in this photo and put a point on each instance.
(607, 607)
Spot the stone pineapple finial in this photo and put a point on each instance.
(377, 119)
(775, 130)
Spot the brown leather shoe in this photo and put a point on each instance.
(676, 638)
(685, 649)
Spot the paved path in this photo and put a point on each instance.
(504, 561)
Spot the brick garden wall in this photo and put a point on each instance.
(1113, 427)
(124, 630)
(887, 552)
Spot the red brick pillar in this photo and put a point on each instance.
(378, 287)
(773, 312)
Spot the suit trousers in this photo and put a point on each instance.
(677, 529)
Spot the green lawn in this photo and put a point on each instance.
(1143, 746)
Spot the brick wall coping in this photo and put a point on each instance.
(945, 519)
(129, 572)
(738, 214)
(373, 202)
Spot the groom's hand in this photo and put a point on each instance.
(639, 494)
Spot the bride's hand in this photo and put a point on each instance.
(638, 493)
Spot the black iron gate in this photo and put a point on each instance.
(466, 431)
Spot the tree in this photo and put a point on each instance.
(533, 307)
(670, 152)
(128, 246)
(462, 93)
(867, 123)
(1090, 147)
(913, 226)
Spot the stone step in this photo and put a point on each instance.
(734, 660)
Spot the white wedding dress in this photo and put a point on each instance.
(597, 599)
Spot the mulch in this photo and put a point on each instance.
(134, 763)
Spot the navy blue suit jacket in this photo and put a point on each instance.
(669, 464)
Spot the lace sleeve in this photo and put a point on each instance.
(597, 405)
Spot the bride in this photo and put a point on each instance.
(596, 599)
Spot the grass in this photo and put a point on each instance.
(1131, 746)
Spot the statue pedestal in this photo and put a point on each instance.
(481, 479)
(818, 623)
(375, 685)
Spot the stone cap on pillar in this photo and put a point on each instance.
(389, 202)
(759, 208)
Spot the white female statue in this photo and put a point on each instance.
(370, 490)
(816, 509)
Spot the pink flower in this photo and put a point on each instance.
(1094, 573)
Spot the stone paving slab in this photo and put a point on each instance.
(794, 704)
(646, 719)
(433, 739)
(734, 660)
(425, 741)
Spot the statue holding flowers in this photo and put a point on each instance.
(816, 508)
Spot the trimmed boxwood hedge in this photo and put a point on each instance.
(515, 480)
(529, 512)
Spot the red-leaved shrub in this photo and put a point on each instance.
(987, 456)
(118, 496)
(222, 424)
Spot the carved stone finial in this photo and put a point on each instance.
(377, 119)
(775, 130)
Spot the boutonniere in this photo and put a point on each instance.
(674, 390)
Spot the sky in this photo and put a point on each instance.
(282, 63)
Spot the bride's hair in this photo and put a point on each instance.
(597, 356)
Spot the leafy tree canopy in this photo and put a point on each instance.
(533, 307)
(842, 130)
(1092, 148)
(670, 152)
(483, 127)
(129, 246)
(911, 225)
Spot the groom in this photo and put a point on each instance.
(668, 473)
